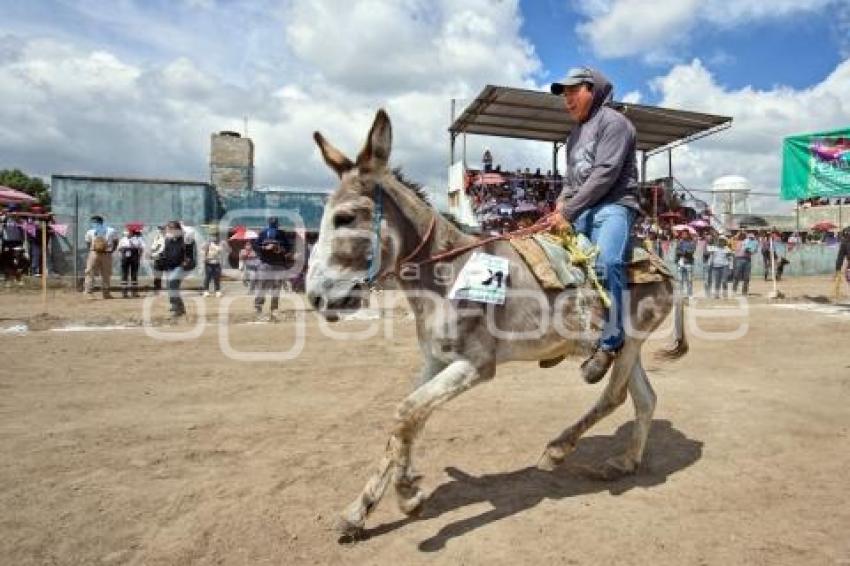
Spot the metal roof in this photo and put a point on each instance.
(541, 116)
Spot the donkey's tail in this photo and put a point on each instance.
(679, 347)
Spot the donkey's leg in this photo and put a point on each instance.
(410, 416)
(643, 398)
(612, 397)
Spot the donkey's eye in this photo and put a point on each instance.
(343, 220)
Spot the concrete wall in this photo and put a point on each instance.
(807, 259)
(121, 200)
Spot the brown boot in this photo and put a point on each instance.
(596, 366)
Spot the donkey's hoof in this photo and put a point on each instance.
(551, 458)
(412, 506)
(348, 530)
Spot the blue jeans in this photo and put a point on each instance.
(174, 278)
(686, 279)
(608, 226)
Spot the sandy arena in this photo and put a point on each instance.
(119, 448)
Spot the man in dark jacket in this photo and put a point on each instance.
(177, 259)
(600, 194)
(275, 252)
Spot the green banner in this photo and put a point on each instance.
(816, 165)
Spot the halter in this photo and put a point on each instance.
(373, 271)
(374, 258)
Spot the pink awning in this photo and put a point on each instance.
(12, 196)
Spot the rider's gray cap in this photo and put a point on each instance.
(575, 76)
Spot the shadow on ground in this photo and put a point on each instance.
(668, 451)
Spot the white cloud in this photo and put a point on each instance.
(69, 106)
(632, 97)
(761, 119)
(657, 31)
(627, 27)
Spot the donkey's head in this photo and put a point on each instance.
(352, 242)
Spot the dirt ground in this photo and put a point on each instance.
(123, 448)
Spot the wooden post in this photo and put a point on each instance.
(44, 266)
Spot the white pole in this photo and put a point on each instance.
(775, 293)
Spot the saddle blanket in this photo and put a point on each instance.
(551, 265)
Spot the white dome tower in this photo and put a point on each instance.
(730, 195)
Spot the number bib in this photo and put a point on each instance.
(483, 279)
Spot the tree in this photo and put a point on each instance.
(18, 180)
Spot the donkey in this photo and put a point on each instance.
(375, 224)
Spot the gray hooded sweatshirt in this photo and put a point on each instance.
(601, 164)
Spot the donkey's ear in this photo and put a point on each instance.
(335, 159)
(376, 152)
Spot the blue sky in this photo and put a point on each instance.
(134, 87)
(795, 51)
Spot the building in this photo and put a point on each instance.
(231, 163)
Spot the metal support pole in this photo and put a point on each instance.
(670, 162)
(643, 159)
(464, 150)
(555, 158)
(453, 136)
(76, 246)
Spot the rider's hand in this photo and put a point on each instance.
(557, 220)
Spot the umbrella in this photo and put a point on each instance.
(12, 196)
(699, 223)
(824, 226)
(489, 179)
(684, 228)
(670, 215)
(245, 235)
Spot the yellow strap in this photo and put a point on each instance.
(569, 240)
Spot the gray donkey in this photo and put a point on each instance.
(376, 224)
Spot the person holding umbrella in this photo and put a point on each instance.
(685, 249)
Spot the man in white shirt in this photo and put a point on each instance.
(102, 241)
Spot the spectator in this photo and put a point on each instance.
(745, 247)
(685, 249)
(275, 252)
(248, 264)
(35, 248)
(212, 253)
(130, 248)
(178, 258)
(487, 161)
(710, 242)
(720, 260)
(101, 240)
(157, 247)
(843, 255)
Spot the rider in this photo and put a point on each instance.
(600, 194)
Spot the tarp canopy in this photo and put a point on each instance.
(816, 165)
(541, 116)
(14, 196)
